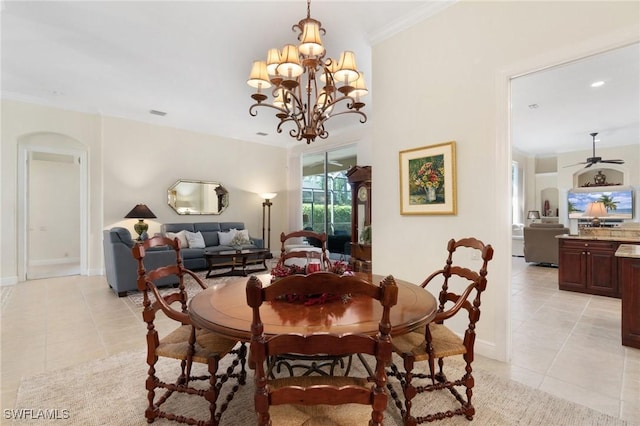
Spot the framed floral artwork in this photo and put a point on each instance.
(428, 179)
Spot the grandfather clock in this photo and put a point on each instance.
(360, 180)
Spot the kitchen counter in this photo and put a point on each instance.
(600, 238)
(628, 250)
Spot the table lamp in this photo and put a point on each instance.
(533, 215)
(140, 212)
(596, 211)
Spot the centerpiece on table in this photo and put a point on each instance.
(338, 267)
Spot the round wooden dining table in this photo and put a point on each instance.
(222, 308)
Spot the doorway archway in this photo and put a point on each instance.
(52, 206)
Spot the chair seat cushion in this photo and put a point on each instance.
(320, 415)
(176, 344)
(445, 343)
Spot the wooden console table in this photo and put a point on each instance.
(628, 256)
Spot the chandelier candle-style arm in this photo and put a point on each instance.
(307, 89)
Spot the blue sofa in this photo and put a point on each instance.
(121, 268)
(193, 258)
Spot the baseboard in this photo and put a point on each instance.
(58, 261)
(7, 281)
(488, 349)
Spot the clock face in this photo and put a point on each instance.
(362, 193)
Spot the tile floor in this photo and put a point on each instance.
(567, 344)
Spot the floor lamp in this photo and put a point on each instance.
(266, 214)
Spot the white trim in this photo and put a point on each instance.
(7, 281)
(22, 215)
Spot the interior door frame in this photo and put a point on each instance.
(24, 152)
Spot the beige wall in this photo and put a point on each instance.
(132, 162)
(447, 79)
(21, 119)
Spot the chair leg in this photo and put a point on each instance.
(469, 381)
(151, 412)
(211, 394)
(408, 389)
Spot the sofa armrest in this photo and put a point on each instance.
(258, 242)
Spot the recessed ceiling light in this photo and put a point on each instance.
(597, 83)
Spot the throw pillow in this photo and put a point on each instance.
(226, 237)
(240, 240)
(182, 236)
(195, 239)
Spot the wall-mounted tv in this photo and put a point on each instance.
(619, 202)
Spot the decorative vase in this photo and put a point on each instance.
(431, 194)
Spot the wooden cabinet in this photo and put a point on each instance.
(629, 273)
(588, 266)
(360, 180)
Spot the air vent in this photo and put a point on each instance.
(262, 134)
(156, 112)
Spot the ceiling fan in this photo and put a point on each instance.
(593, 160)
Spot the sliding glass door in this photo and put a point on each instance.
(326, 195)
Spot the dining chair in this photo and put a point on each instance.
(186, 343)
(358, 397)
(298, 254)
(460, 292)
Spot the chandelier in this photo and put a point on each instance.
(307, 89)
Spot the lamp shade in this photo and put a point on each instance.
(310, 44)
(268, 195)
(347, 71)
(533, 214)
(596, 210)
(290, 66)
(141, 211)
(259, 77)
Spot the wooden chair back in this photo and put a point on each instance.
(332, 390)
(304, 253)
(476, 281)
(146, 282)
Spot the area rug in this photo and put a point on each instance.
(111, 392)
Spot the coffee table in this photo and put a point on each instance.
(235, 259)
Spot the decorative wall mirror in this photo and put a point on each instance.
(197, 197)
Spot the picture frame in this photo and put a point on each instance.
(428, 180)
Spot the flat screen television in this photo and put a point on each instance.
(619, 202)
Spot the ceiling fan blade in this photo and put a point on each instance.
(572, 165)
(613, 161)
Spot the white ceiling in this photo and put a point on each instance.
(555, 110)
(191, 60)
